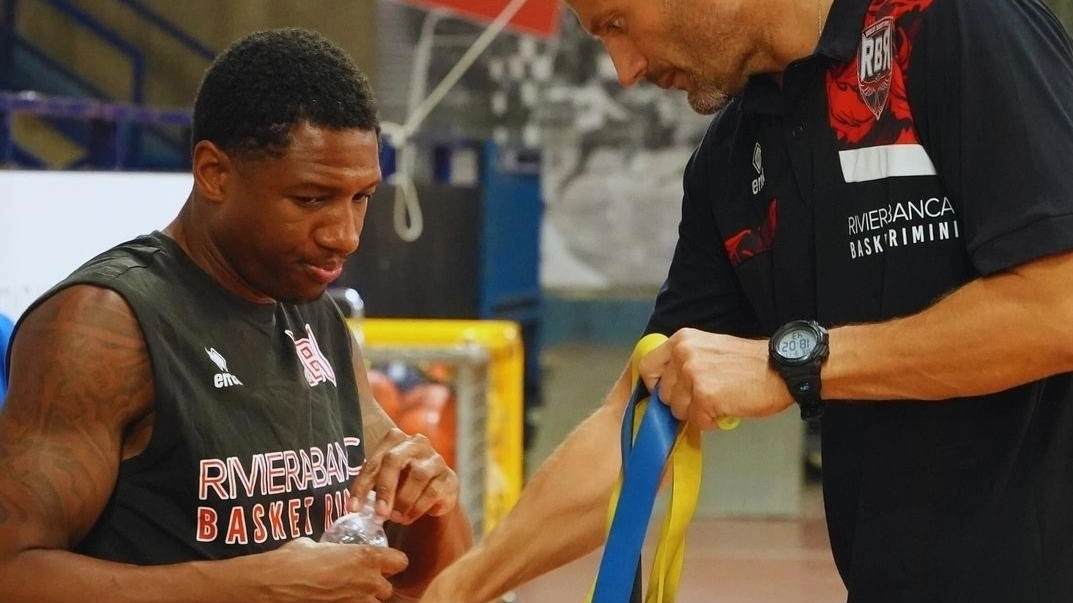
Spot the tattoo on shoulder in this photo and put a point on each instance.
(80, 374)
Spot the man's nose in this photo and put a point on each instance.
(630, 65)
(341, 231)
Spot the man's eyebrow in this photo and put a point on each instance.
(315, 185)
(595, 26)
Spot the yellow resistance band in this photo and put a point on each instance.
(686, 466)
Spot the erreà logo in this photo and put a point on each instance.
(223, 378)
(875, 65)
(758, 165)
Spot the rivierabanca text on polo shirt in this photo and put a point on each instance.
(901, 225)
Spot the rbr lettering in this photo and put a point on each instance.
(876, 52)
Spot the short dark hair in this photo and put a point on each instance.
(258, 89)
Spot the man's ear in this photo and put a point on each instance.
(212, 169)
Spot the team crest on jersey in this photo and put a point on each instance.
(315, 365)
(224, 378)
(875, 65)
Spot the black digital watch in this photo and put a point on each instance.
(796, 351)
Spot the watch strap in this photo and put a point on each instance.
(804, 385)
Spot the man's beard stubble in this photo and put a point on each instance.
(707, 99)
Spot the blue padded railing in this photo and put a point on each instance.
(108, 148)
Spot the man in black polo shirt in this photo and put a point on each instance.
(895, 171)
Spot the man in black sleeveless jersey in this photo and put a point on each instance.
(882, 207)
(188, 411)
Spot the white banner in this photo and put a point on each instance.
(51, 222)
(885, 161)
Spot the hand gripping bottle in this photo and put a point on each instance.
(362, 527)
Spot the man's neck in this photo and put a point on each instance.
(203, 251)
(797, 35)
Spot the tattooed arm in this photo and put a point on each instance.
(80, 391)
(415, 486)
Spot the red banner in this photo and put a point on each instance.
(539, 17)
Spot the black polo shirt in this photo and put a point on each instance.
(925, 144)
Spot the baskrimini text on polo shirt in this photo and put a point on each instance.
(901, 225)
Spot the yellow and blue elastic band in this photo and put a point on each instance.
(651, 437)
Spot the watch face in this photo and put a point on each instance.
(796, 343)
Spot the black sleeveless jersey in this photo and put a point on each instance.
(257, 430)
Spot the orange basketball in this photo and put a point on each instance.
(434, 395)
(429, 409)
(386, 393)
(439, 371)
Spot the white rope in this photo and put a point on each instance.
(408, 218)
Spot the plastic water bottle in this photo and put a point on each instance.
(362, 527)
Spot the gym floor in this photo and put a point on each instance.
(728, 560)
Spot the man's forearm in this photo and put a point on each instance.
(57, 576)
(992, 334)
(431, 544)
(560, 516)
